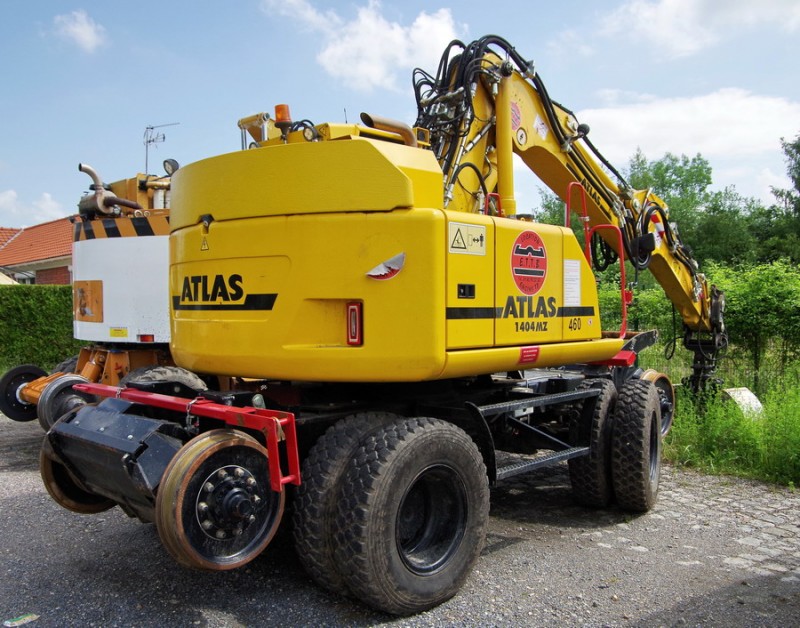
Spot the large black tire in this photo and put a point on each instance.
(157, 373)
(65, 366)
(10, 384)
(636, 446)
(590, 475)
(413, 514)
(317, 499)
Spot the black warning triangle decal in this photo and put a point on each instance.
(458, 241)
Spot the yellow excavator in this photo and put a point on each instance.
(390, 339)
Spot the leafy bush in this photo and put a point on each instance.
(715, 435)
(763, 311)
(36, 325)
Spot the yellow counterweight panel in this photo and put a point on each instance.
(348, 175)
(288, 281)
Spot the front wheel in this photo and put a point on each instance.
(590, 475)
(636, 446)
(412, 517)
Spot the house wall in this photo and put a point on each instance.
(54, 276)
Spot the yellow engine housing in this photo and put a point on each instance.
(270, 246)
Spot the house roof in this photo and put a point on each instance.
(6, 233)
(41, 242)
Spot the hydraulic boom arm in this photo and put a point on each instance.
(486, 103)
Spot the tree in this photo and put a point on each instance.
(777, 228)
(763, 303)
(682, 182)
(724, 232)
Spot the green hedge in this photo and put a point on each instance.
(36, 325)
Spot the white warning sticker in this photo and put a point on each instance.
(540, 126)
(572, 283)
(466, 239)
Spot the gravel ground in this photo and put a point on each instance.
(714, 551)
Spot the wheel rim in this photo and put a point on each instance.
(215, 508)
(10, 404)
(431, 520)
(666, 397)
(65, 491)
(58, 398)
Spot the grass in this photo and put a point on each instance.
(714, 435)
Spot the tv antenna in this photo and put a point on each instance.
(151, 136)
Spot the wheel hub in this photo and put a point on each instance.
(228, 502)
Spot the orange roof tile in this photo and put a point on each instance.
(40, 242)
(6, 233)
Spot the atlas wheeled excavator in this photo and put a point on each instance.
(396, 340)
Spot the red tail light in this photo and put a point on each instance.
(355, 324)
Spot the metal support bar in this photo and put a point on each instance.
(541, 461)
(560, 444)
(538, 401)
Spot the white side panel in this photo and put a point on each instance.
(135, 276)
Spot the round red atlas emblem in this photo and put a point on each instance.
(529, 262)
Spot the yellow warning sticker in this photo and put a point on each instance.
(118, 332)
(467, 239)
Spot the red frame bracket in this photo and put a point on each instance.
(273, 424)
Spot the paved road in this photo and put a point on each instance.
(715, 551)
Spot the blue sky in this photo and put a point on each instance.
(81, 80)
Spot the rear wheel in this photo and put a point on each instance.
(636, 446)
(590, 475)
(412, 517)
(10, 385)
(214, 507)
(317, 498)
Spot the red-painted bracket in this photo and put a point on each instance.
(273, 424)
(623, 358)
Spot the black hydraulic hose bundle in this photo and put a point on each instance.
(453, 85)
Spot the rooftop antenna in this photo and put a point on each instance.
(151, 136)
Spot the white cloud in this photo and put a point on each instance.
(685, 27)
(16, 213)
(727, 122)
(370, 51)
(80, 29)
(729, 126)
(570, 43)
